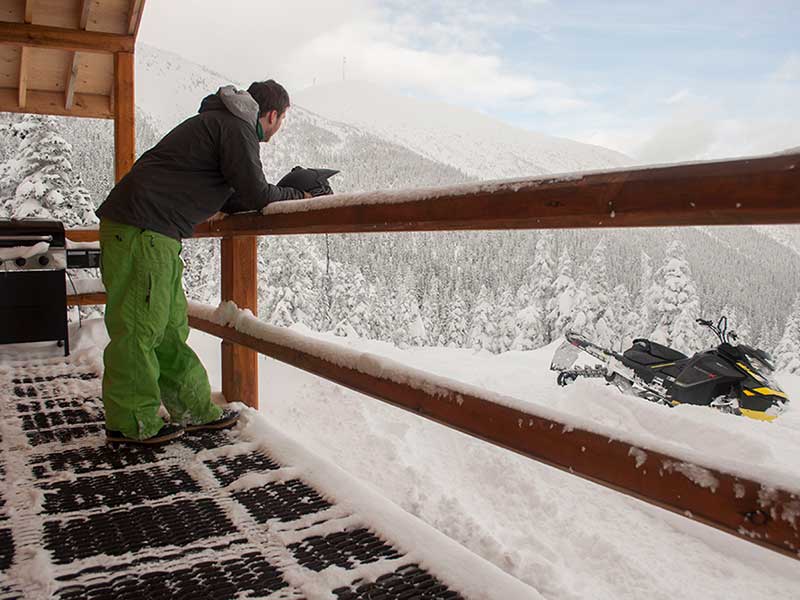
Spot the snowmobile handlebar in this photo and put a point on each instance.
(720, 329)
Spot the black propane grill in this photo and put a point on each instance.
(33, 293)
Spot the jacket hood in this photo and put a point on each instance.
(237, 102)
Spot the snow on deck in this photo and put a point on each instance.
(247, 513)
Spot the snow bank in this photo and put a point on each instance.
(432, 550)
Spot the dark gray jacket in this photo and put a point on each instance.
(208, 163)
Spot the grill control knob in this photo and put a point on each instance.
(44, 260)
(20, 262)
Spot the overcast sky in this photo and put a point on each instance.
(660, 81)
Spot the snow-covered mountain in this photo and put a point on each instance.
(481, 146)
(170, 89)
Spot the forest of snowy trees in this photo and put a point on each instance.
(496, 291)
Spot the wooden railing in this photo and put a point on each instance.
(749, 191)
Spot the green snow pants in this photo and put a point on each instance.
(147, 360)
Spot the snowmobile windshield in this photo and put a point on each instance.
(764, 369)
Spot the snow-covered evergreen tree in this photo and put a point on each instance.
(534, 296)
(787, 352)
(505, 318)
(290, 270)
(483, 328)
(678, 305)
(648, 293)
(560, 307)
(629, 320)
(593, 314)
(455, 328)
(39, 181)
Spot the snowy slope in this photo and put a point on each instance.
(566, 537)
(474, 143)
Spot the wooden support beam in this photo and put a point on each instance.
(52, 103)
(755, 191)
(40, 36)
(92, 299)
(24, 59)
(756, 512)
(240, 284)
(124, 114)
(29, 11)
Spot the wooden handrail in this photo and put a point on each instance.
(736, 505)
(752, 191)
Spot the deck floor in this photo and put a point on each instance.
(210, 516)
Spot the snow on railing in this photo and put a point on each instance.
(764, 510)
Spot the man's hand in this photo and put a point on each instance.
(216, 217)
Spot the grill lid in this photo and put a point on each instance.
(29, 232)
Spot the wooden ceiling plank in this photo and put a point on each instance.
(19, 34)
(23, 77)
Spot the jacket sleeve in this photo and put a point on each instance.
(240, 164)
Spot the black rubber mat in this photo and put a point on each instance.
(6, 549)
(207, 440)
(229, 579)
(121, 531)
(407, 582)
(91, 459)
(283, 501)
(345, 549)
(235, 547)
(64, 435)
(47, 378)
(229, 469)
(71, 416)
(58, 404)
(136, 522)
(117, 489)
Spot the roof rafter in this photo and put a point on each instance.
(29, 11)
(135, 16)
(72, 74)
(23, 77)
(39, 36)
(86, 6)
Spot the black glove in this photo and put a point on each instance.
(312, 181)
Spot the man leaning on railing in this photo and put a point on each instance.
(208, 163)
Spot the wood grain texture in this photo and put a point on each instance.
(240, 285)
(124, 114)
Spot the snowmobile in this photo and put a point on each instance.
(733, 378)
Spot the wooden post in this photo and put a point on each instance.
(240, 285)
(124, 114)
